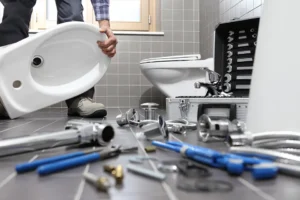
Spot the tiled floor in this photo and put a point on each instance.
(69, 185)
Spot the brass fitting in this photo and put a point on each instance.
(103, 184)
(116, 172)
(109, 168)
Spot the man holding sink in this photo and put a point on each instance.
(15, 27)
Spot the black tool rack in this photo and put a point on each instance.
(234, 53)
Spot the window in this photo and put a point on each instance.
(125, 15)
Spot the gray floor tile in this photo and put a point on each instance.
(69, 184)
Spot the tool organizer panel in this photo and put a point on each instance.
(235, 45)
(190, 107)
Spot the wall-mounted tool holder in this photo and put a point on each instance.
(235, 45)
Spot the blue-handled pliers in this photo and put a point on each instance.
(234, 164)
(66, 161)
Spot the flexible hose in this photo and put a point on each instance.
(249, 138)
(290, 151)
(294, 144)
(268, 154)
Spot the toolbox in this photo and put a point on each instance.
(234, 54)
(191, 108)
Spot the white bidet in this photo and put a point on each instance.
(50, 67)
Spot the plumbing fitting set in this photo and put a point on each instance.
(281, 148)
(154, 125)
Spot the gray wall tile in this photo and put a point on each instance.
(124, 91)
(124, 102)
(112, 91)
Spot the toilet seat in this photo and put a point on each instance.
(72, 63)
(191, 57)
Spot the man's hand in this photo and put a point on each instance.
(108, 46)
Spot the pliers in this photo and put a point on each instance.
(234, 164)
(66, 161)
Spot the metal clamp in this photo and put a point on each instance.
(230, 39)
(229, 46)
(227, 87)
(229, 53)
(184, 106)
(229, 61)
(229, 68)
(228, 78)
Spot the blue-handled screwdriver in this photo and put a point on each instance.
(30, 166)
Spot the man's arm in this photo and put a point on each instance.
(101, 8)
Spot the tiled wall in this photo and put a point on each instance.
(124, 85)
(209, 18)
(230, 9)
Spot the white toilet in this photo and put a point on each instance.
(175, 75)
(50, 67)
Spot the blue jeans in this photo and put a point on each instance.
(16, 19)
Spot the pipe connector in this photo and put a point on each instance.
(215, 129)
(150, 110)
(100, 134)
(156, 129)
(126, 118)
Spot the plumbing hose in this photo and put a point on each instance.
(276, 156)
(249, 138)
(294, 144)
(290, 151)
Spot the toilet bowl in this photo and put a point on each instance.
(176, 75)
(50, 67)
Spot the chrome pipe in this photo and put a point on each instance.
(248, 138)
(100, 134)
(294, 144)
(268, 154)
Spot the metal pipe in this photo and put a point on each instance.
(248, 138)
(276, 156)
(294, 144)
(100, 134)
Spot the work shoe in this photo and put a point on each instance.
(86, 107)
(3, 113)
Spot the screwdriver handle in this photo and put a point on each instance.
(67, 164)
(29, 166)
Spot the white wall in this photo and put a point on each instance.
(1, 11)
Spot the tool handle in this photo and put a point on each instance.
(66, 164)
(166, 146)
(29, 166)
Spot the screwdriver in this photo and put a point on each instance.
(101, 183)
(29, 166)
